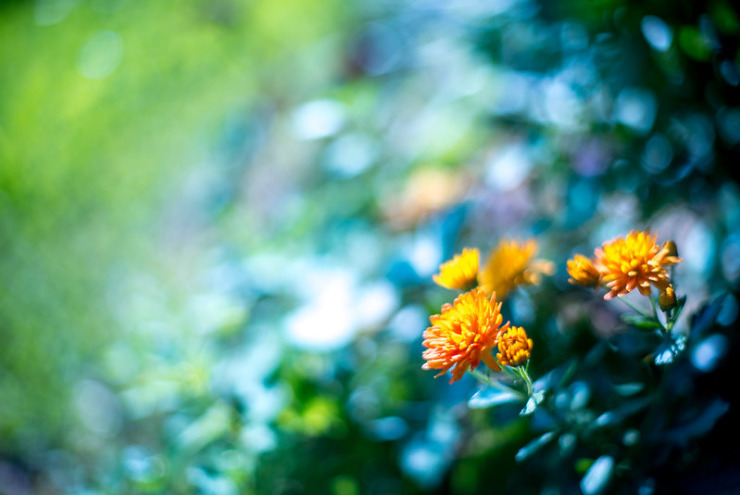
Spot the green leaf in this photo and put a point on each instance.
(627, 389)
(582, 465)
(534, 446)
(489, 397)
(532, 403)
(705, 318)
(694, 44)
(598, 475)
(724, 18)
(641, 322)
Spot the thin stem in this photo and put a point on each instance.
(634, 308)
(655, 314)
(665, 330)
(670, 319)
(525, 375)
(675, 313)
(512, 372)
(521, 373)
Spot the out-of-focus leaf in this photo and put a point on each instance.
(627, 389)
(704, 319)
(694, 44)
(582, 465)
(702, 422)
(532, 403)
(534, 445)
(598, 475)
(529, 407)
(724, 18)
(559, 376)
(680, 305)
(625, 410)
(641, 322)
(489, 397)
(707, 354)
(212, 424)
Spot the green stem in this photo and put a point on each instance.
(527, 380)
(633, 307)
(522, 373)
(655, 314)
(675, 313)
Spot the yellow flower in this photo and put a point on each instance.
(509, 265)
(635, 262)
(667, 298)
(583, 272)
(460, 272)
(464, 334)
(514, 347)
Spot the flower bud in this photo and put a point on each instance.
(514, 347)
(670, 246)
(667, 298)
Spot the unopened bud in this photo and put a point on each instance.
(514, 347)
(667, 298)
(670, 246)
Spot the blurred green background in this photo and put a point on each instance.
(219, 221)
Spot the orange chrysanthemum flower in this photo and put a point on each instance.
(464, 334)
(460, 272)
(583, 272)
(514, 347)
(510, 265)
(635, 262)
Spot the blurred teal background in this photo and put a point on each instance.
(219, 221)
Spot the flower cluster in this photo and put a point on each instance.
(636, 261)
(508, 266)
(467, 331)
(471, 330)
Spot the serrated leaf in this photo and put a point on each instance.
(532, 403)
(529, 408)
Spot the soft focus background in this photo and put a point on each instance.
(219, 220)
